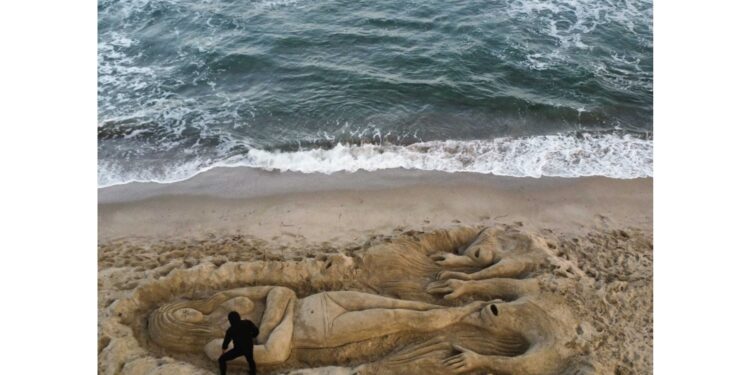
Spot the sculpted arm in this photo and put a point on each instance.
(278, 346)
(276, 327)
(276, 307)
(511, 268)
(507, 289)
(503, 268)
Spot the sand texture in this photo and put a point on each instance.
(427, 282)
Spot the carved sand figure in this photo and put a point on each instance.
(495, 253)
(322, 320)
(503, 263)
(453, 301)
(332, 319)
(489, 263)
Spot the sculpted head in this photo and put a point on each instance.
(491, 246)
(483, 253)
(187, 326)
(521, 318)
(494, 330)
(486, 249)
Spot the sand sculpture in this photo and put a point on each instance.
(463, 301)
(333, 319)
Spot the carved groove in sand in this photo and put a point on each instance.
(460, 301)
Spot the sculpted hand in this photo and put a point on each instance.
(452, 260)
(445, 275)
(451, 288)
(458, 313)
(473, 307)
(465, 361)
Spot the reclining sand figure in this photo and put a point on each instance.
(322, 320)
(441, 266)
(523, 334)
(494, 253)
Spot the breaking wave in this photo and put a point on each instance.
(570, 155)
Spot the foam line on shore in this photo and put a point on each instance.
(579, 155)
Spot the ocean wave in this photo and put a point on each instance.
(621, 156)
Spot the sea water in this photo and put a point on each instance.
(508, 87)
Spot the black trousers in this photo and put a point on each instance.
(234, 353)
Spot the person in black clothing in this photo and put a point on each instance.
(241, 333)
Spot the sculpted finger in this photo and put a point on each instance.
(452, 358)
(444, 275)
(451, 362)
(454, 275)
(441, 290)
(453, 295)
(437, 257)
(437, 284)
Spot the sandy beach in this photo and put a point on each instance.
(313, 232)
(276, 206)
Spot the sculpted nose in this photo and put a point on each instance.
(494, 309)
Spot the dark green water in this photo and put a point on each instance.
(523, 88)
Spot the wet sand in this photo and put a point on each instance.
(284, 206)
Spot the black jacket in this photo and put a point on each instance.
(242, 334)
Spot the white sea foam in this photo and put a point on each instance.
(610, 155)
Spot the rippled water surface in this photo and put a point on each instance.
(560, 87)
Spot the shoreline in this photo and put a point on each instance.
(572, 154)
(273, 205)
